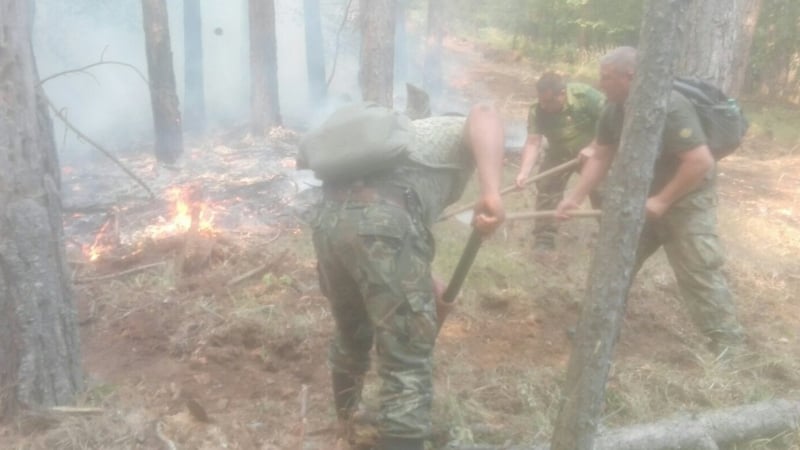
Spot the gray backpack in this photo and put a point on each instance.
(356, 141)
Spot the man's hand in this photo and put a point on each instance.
(585, 154)
(488, 214)
(522, 177)
(655, 208)
(565, 206)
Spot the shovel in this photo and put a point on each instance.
(445, 304)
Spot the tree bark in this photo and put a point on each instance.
(751, 10)
(709, 430)
(39, 347)
(620, 226)
(400, 41)
(264, 103)
(194, 109)
(163, 94)
(315, 54)
(710, 40)
(376, 74)
(432, 66)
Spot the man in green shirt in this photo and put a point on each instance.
(565, 114)
(681, 206)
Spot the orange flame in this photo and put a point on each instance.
(98, 247)
(181, 215)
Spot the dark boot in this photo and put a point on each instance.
(346, 394)
(393, 443)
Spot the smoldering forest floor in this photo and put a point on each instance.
(207, 359)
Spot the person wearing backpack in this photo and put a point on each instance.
(681, 206)
(566, 114)
(374, 248)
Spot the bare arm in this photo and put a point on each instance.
(694, 165)
(594, 170)
(530, 153)
(484, 135)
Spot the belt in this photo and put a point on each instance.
(395, 195)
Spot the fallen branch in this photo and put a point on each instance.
(710, 430)
(258, 271)
(75, 411)
(102, 150)
(119, 274)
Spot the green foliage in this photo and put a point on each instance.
(554, 29)
(776, 49)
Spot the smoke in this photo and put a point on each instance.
(111, 103)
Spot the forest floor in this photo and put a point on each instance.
(205, 358)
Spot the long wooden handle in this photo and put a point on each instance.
(522, 215)
(462, 268)
(557, 169)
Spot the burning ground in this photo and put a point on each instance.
(203, 326)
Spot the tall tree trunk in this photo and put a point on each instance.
(265, 111)
(432, 70)
(163, 94)
(620, 226)
(194, 109)
(751, 10)
(710, 40)
(400, 41)
(39, 348)
(315, 52)
(377, 50)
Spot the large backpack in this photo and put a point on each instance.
(721, 117)
(356, 141)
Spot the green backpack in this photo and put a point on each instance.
(355, 141)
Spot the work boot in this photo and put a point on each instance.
(726, 347)
(393, 443)
(346, 394)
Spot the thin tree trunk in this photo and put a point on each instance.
(377, 51)
(432, 70)
(194, 109)
(163, 94)
(400, 41)
(315, 52)
(621, 223)
(751, 10)
(39, 347)
(264, 105)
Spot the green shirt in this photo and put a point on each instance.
(682, 132)
(439, 164)
(573, 128)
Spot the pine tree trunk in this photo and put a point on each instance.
(621, 224)
(194, 109)
(315, 52)
(163, 94)
(264, 105)
(39, 348)
(400, 42)
(377, 51)
(751, 10)
(711, 37)
(432, 70)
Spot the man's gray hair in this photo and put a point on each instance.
(621, 59)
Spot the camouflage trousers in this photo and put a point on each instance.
(688, 233)
(549, 192)
(374, 268)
